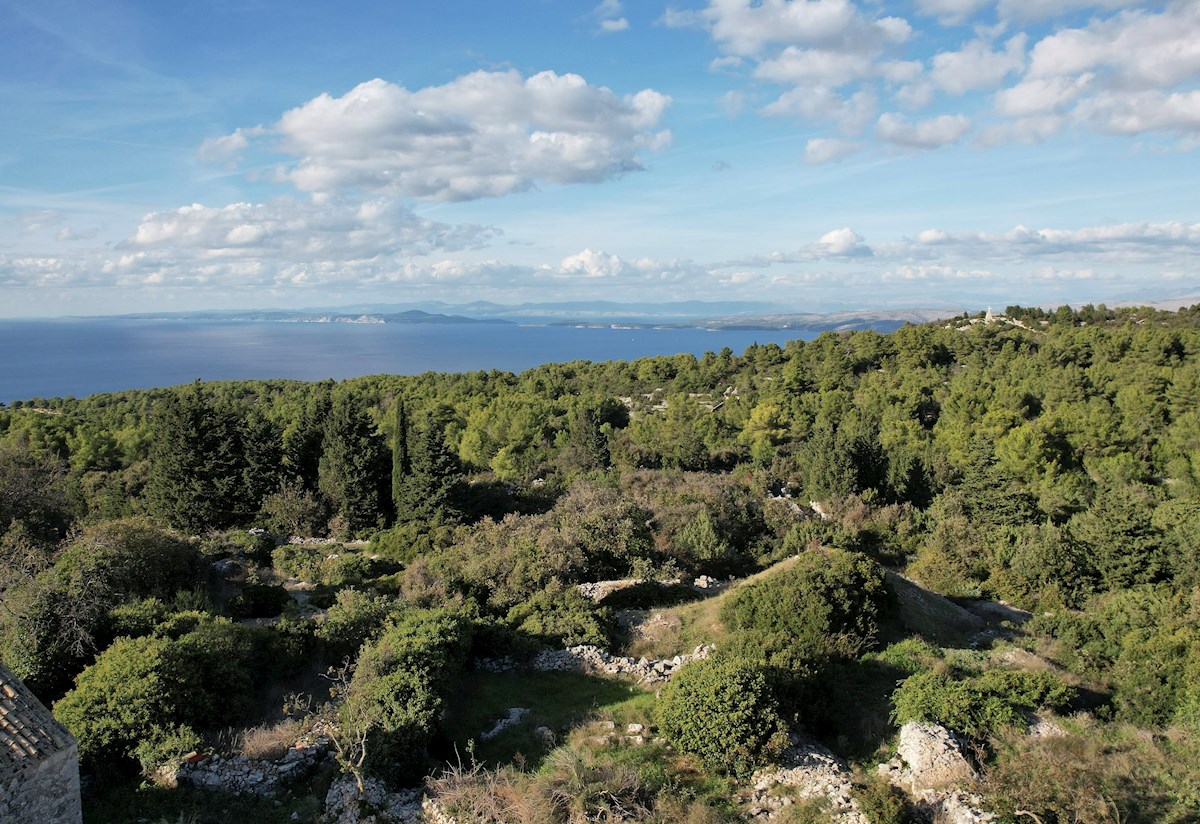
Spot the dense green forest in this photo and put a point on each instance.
(1048, 460)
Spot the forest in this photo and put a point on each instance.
(988, 524)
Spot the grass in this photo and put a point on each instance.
(555, 700)
(682, 628)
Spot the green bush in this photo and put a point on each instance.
(980, 706)
(912, 655)
(53, 624)
(144, 695)
(258, 546)
(560, 616)
(137, 617)
(827, 600)
(724, 712)
(122, 700)
(353, 619)
(395, 698)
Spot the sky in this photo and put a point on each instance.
(814, 154)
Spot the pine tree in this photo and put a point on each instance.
(401, 463)
(432, 491)
(353, 468)
(197, 463)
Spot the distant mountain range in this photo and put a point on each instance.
(681, 314)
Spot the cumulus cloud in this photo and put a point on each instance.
(977, 65)
(950, 12)
(281, 242)
(608, 13)
(1131, 68)
(485, 134)
(747, 28)
(932, 133)
(1120, 242)
(828, 149)
(822, 105)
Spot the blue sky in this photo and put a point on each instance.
(819, 154)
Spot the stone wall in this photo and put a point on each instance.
(43, 791)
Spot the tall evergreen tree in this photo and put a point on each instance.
(432, 491)
(401, 463)
(197, 463)
(353, 469)
(304, 440)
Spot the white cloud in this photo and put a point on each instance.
(592, 264)
(932, 133)
(485, 134)
(823, 105)
(608, 13)
(976, 66)
(951, 12)
(1137, 112)
(747, 28)
(227, 148)
(1041, 95)
(828, 149)
(1120, 242)
(827, 67)
(911, 272)
(844, 242)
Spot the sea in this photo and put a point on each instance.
(81, 357)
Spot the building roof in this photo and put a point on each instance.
(28, 732)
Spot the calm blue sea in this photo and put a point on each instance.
(58, 358)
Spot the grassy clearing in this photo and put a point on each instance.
(680, 629)
(555, 700)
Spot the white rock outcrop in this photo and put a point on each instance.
(806, 771)
(931, 767)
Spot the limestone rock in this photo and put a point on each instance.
(344, 804)
(808, 771)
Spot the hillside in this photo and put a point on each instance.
(947, 573)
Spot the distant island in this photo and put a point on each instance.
(589, 314)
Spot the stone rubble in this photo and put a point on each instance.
(515, 716)
(345, 805)
(806, 771)
(239, 775)
(592, 659)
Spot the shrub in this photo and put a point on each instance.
(827, 600)
(257, 544)
(560, 616)
(395, 698)
(137, 617)
(353, 619)
(724, 712)
(980, 706)
(142, 696)
(121, 700)
(912, 655)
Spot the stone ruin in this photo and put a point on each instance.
(39, 760)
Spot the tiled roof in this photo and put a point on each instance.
(28, 732)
